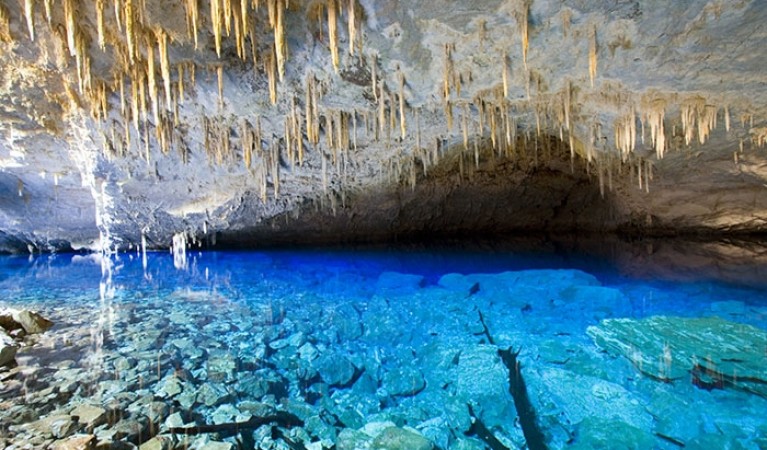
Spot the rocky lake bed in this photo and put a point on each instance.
(342, 358)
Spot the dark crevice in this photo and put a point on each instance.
(280, 418)
(485, 330)
(479, 430)
(533, 435)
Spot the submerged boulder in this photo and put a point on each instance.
(713, 352)
(32, 322)
(7, 349)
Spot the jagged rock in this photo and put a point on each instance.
(350, 439)
(394, 283)
(603, 433)
(561, 399)
(403, 381)
(32, 322)
(158, 443)
(395, 438)
(90, 416)
(7, 349)
(212, 394)
(217, 446)
(334, 369)
(76, 442)
(713, 352)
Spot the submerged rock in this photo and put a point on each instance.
(7, 349)
(563, 399)
(76, 442)
(32, 322)
(395, 438)
(713, 352)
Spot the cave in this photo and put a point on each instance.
(369, 224)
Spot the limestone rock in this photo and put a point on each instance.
(76, 442)
(90, 416)
(7, 349)
(335, 369)
(715, 353)
(393, 283)
(395, 438)
(158, 443)
(403, 381)
(32, 322)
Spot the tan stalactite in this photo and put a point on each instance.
(151, 77)
(48, 5)
(593, 54)
(280, 44)
(130, 31)
(401, 97)
(162, 45)
(505, 75)
(180, 74)
(216, 23)
(118, 9)
(71, 25)
(333, 31)
(192, 20)
(522, 17)
(100, 24)
(727, 118)
(655, 118)
(374, 76)
(220, 78)
(29, 13)
(352, 19)
(271, 73)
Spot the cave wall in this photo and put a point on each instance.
(572, 99)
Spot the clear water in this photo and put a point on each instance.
(364, 358)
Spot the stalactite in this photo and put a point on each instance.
(280, 44)
(374, 76)
(100, 24)
(29, 13)
(465, 126)
(522, 16)
(151, 76)
(567, 17)
(593, 54)
(180, 74)
(505, 75)
(71, 25)
(130, 31)
(192, 20)
(381, 111)
(352, 19)
(625, 134)
(162, 45)
(227, 10)
(448, 71)
(118, 11)
(220, 78)
(655, 119)
(401, 96)
(727, 118)
(333, 31)
(271, 73)
(121, 86)
(48, 11)
(215, 19)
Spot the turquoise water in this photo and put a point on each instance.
(387, 348)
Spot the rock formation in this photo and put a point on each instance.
(128, 122)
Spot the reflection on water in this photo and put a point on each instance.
(394, 348)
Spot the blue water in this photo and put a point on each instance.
(347, 305)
